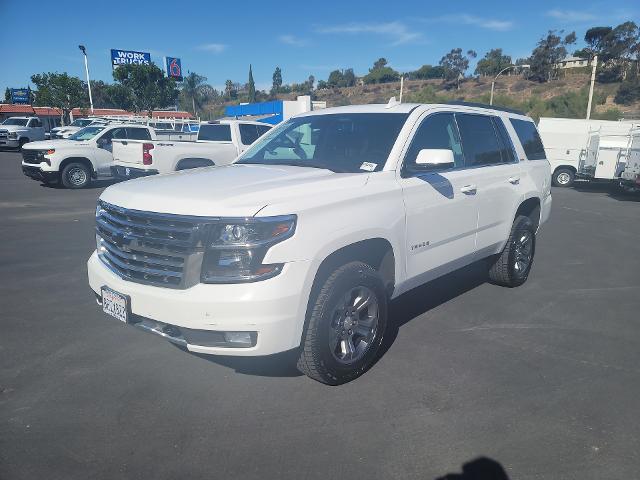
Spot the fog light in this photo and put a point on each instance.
(242, 339)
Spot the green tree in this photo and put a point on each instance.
(548, 52)
(311, 81)
(7, 95)
(111, 95)
(455, 64)
(629, 90)
(493, 62)
(380, 73)
(230, 90)
(191, 90)
(252, 87)
(426, 72)
(277, 80)
(61, 91)
(149, 88)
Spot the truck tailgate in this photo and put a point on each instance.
(127, 152)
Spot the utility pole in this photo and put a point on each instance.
(401, 86)
(593, 79)
(86, 69)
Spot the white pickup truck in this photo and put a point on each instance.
(84, 156)
(218, 143)
(302, 242)
(16, 131)
(66, 131)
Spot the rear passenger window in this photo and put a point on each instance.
(138, 134)
(262, 129)
(529, 138)
(248, 133)
(479, 140)
(508, 155)
(437, 131)
(215, 132)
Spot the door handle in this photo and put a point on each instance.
(469, 189)
(514, 180)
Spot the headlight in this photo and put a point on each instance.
(236, 249)
(13, 134)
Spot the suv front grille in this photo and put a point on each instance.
(152, 248)
(30, 156)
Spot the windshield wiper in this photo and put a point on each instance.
(292, 163)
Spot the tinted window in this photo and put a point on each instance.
(262, 129)
(138, 134)
(347, 142)
(529, 138)
(117, 133)
(35, 122)
(508, 155)
(437, 131)
(215, 132)
(479, 140)
(248, 133)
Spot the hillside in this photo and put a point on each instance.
(566, 97)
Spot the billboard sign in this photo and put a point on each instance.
(173, 67)
(20, 95)
(126, 57)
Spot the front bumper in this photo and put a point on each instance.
(9, 143)
(274, 308)
(125, 173)
(37, 173)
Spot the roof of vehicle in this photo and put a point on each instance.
(228, 121)
(404, 108)
(23, 118)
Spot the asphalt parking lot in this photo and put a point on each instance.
(543, 379)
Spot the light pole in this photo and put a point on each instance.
(86, 69)
(593, 79)
(493, 83)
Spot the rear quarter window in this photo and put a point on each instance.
(215, 132)
(529, 138)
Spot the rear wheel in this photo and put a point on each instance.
(346, 324)
(75, 175)
(563, 177)
(511, 268)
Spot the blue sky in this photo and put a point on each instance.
(220, 39)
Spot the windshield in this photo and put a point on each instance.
(87, 133)
(81, 122)
(346, 142)
(16, 121)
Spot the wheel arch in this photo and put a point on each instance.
(193, 162)
(565, 167)
(84, 160)
(530, 208)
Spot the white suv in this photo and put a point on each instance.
(302, 242)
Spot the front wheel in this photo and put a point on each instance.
(346, 323)
(22, 143)
(75, 175)
(511, 267)
(563, 177)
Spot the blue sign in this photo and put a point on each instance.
(20, 95)
(174, 68)
(127, 57)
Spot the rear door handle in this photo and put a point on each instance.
(514, 180)
(469, 189)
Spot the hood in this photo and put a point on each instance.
(229, 191)
(14, 128)
(54, 144)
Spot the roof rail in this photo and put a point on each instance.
(484, 105)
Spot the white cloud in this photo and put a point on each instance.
(468, 19)
(398, 32)
(292, 40)
(571, 16)
(212, 47)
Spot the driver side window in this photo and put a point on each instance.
(437, 131)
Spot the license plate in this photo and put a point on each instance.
(115, 304)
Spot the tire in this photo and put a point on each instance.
(340, 340)
(75, 175)
(563, 177)
(511, 267)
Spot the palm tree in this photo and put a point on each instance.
(192, 88)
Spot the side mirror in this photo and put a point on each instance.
(435, 158)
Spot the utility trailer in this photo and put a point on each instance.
(630, 177)
(567, 142)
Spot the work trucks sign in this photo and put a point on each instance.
(126, 57)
